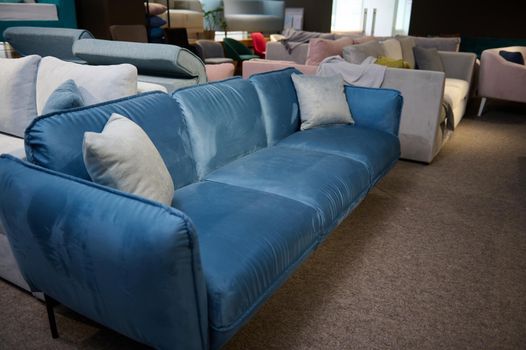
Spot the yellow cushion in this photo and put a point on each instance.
(391, 62)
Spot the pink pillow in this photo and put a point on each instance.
(156, 9)
(320, 49)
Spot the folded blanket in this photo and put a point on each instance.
(294, 38)
(366, 74)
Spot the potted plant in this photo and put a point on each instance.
(213, 20)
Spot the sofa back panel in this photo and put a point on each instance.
(150, 59)
(55, 141)
(224, 122)
(279, 103)
(56, 42)
(365, 102)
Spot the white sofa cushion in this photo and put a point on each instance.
(96, 83)
(392, 49)
(456, 94)
(17, 93)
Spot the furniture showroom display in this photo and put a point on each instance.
(254, 198)
(423, 130)
(501, 79)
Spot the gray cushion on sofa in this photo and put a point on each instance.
(428, 59)
(358, 53)
(150, 59)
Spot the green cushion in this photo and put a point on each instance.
(391, 62)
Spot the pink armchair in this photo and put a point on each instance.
(501, 79)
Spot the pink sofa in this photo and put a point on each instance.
(501, 79)
(219, 71)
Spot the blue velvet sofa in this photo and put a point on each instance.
(255, 196)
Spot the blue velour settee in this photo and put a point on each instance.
(255, 196)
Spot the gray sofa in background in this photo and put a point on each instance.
(168, 65)
(424, 126)
(254, 15)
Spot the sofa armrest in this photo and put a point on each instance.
(278, 51)
(130, 264)
(458, 65)
(375, 108)
(501, 79)
(422, 92)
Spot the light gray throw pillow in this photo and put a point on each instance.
(322, 100)
(122, 156)
(358, 53)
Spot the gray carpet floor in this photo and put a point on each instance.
(434, 258)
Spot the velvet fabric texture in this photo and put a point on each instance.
(279, 103)
(123, 157)
(244, 217)
(225, 128)
(66, 96)
(60, 148)
(322, 101)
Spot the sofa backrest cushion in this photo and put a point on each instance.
(96, 83)
(56, 42)
(224, 122)
(364, 102)
(18, 93)
(439, 43)
(358, 53)
(150, 59)
(54, 141)
(279, 103)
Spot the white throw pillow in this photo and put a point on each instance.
(17, 93)
(322, 100)
(96, 83)
(122, 156)
(392, 49)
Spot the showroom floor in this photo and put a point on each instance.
(435, 257)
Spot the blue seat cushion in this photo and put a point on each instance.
(377, 150)
(250, 241)
(328, 183)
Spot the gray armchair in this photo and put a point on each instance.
(254, 15)
(211, 52)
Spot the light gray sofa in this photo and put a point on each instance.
(265, 16)
(423, 127)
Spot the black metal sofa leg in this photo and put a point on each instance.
(50, 304)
